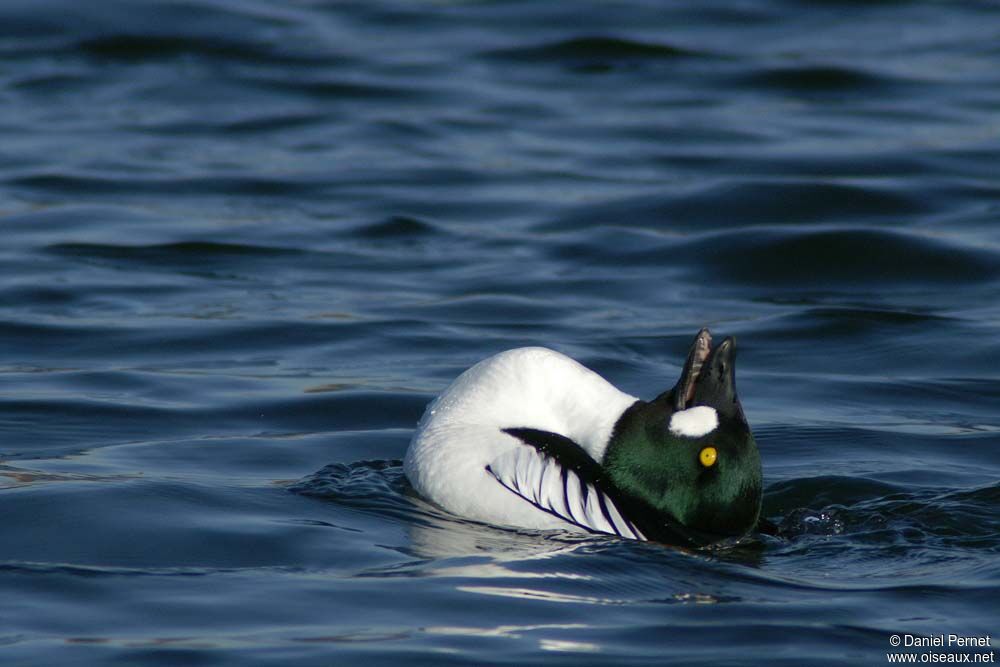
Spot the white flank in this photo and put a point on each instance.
(694, 422)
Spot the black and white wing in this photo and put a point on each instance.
(557, 476)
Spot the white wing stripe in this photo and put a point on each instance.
(624, 526)
(602, 501)
(542, 481)
(564, 476)
(573, 495)
(596, 517)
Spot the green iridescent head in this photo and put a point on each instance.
(687, 459)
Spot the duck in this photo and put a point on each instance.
(530, 438)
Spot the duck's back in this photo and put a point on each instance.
(461, 432)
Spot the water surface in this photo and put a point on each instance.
(245, 243)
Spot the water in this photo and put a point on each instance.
(244, 243)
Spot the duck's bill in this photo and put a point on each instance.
(700, 349)
(709, 376)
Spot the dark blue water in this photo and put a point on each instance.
(244, 243)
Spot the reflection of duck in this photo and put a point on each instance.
(531, 438)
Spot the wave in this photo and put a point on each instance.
(594, 47)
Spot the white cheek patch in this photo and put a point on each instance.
(694, 422)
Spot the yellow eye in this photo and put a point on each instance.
(708, 456)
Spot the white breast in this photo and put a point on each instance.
(461, 431)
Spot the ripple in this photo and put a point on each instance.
(804, 258)
(846, 257)
(821, 79)
(52, 83)
(500, 309)
(79, 184)
(373, 486)
(145, 47)
(212, 258)
(869, 512)
(815, 493)
(734, 205)
(598, 48)
(398, 227)
(197, 249)
(327, 89)
(361, 481)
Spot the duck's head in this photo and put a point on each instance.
(687, 460)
